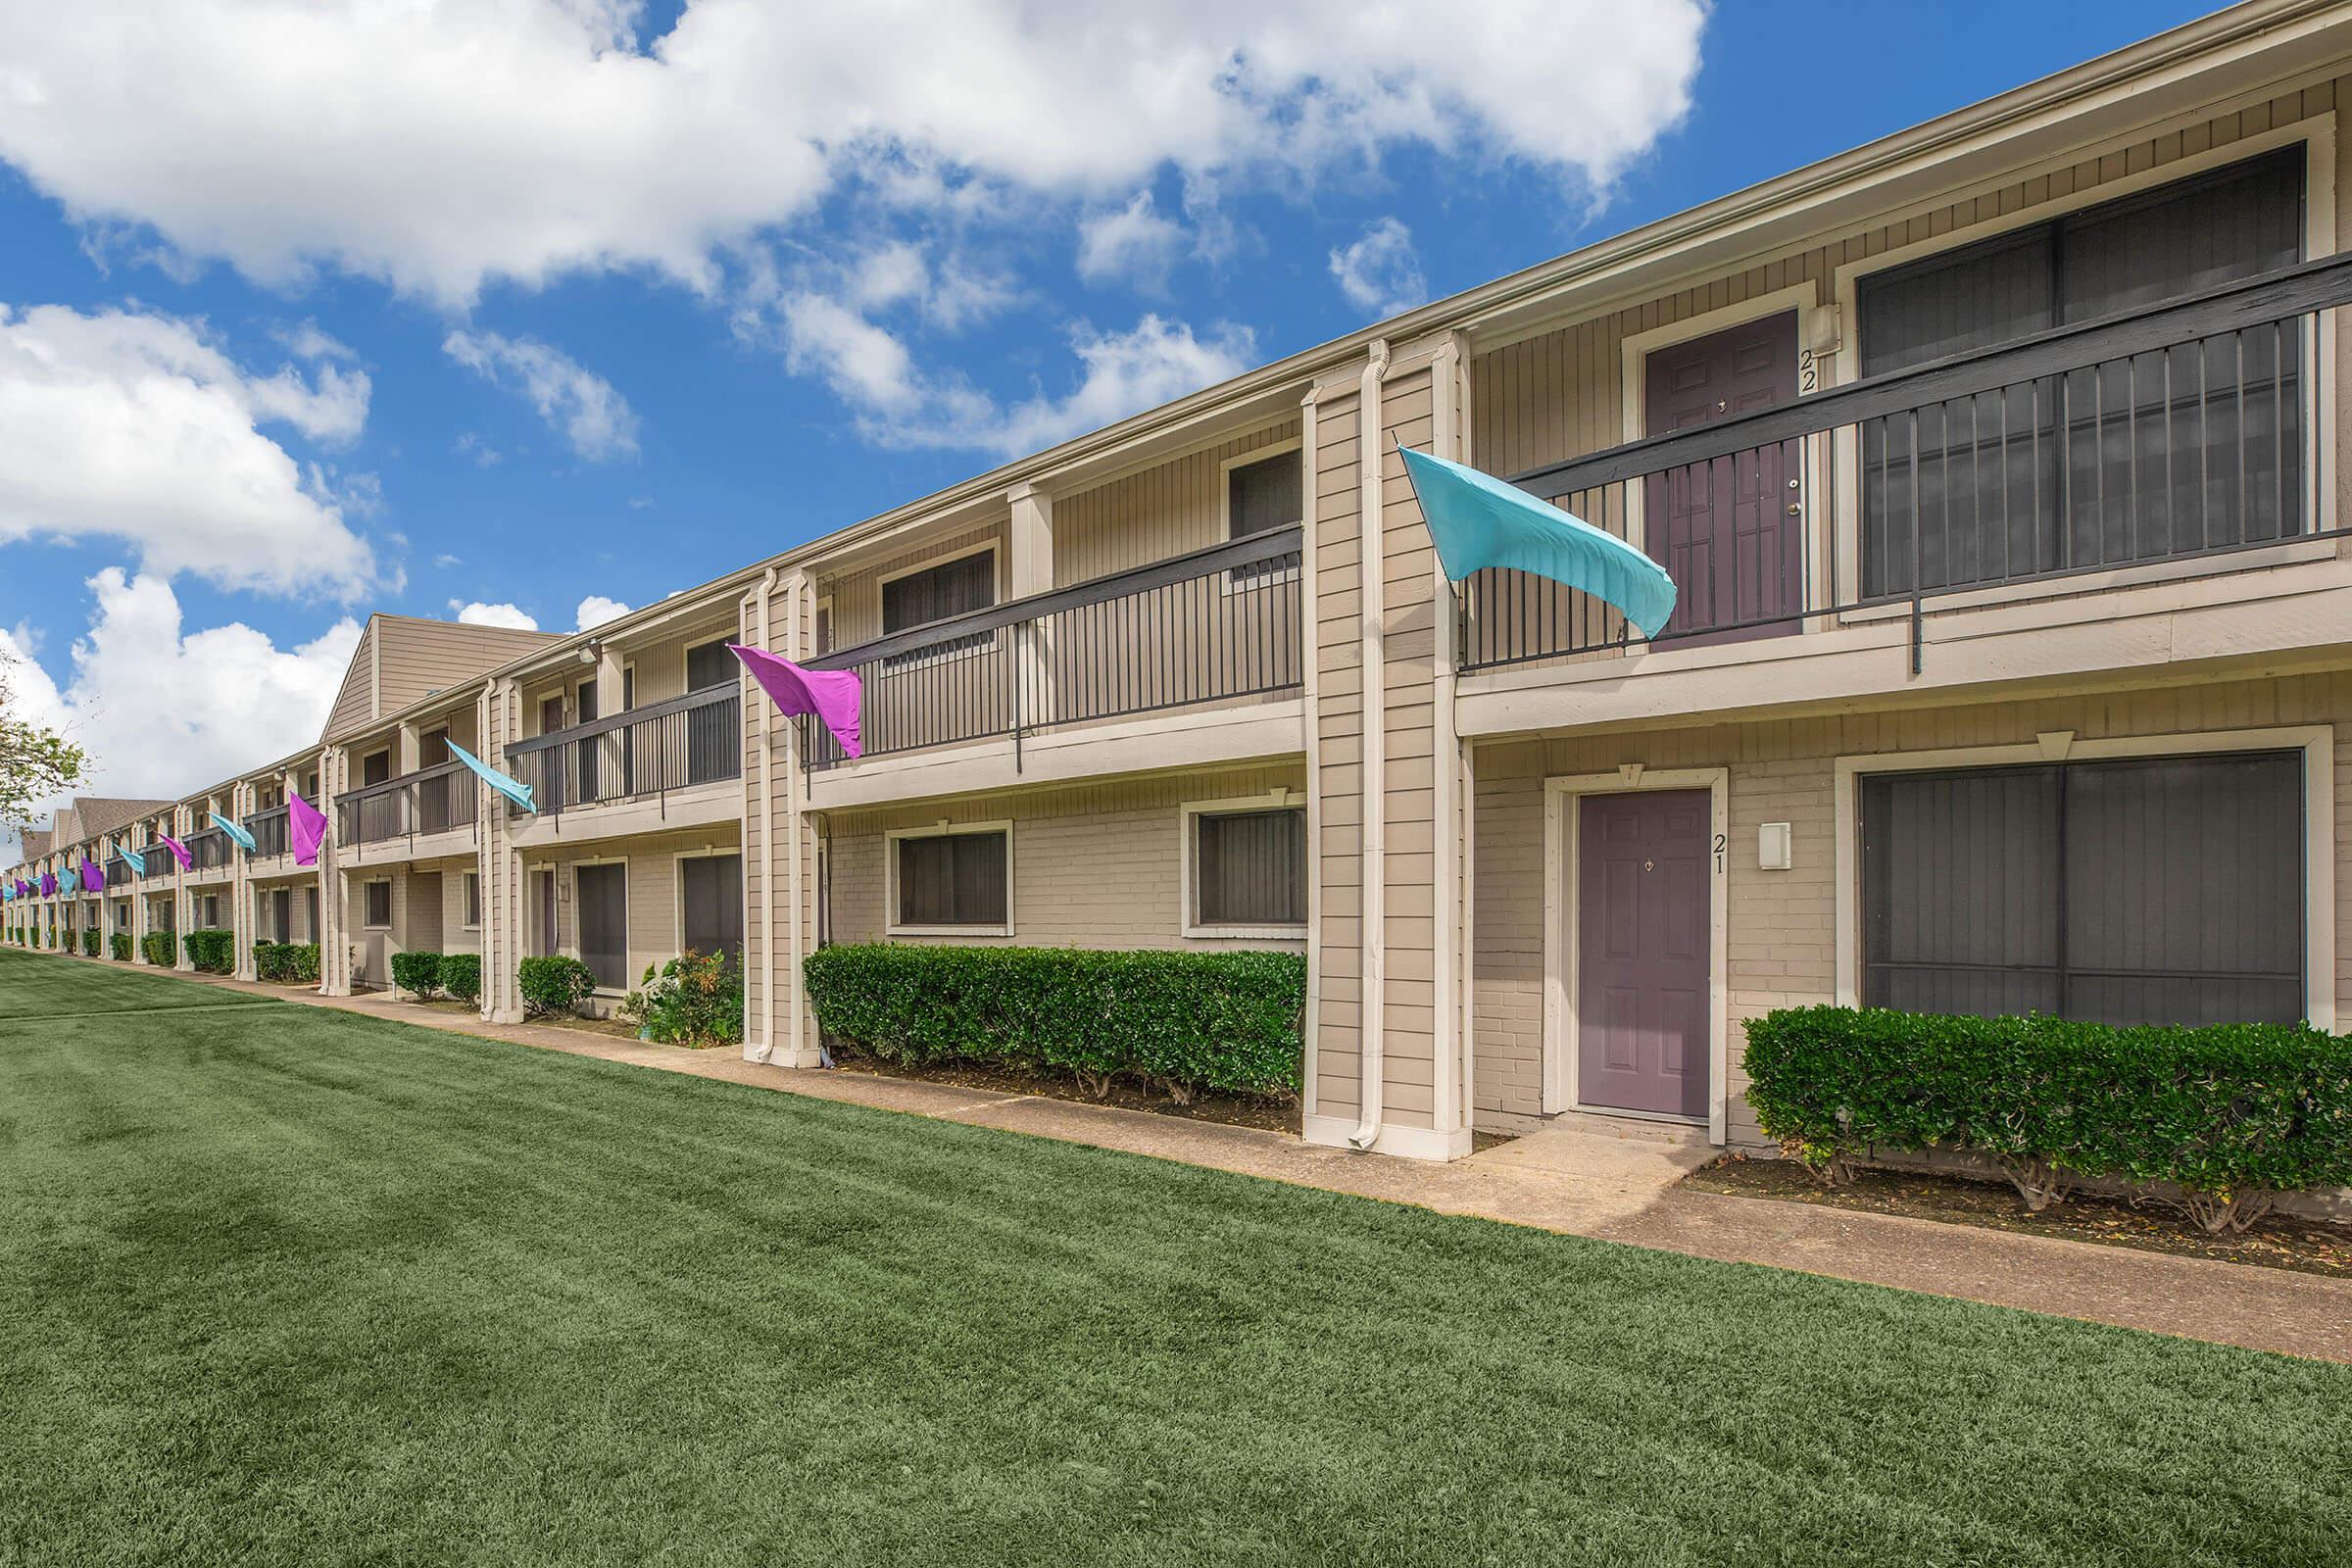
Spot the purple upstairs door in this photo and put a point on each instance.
(1643, 943)
(1724, 529)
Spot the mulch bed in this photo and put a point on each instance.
(1234, 1111)
(2277, 1241)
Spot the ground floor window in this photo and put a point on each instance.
(604, 906)
(473, 900)
(2156, 890)
(1249, 868)
(377, 915)
(710, 905)
(212, 911)
(958, 877)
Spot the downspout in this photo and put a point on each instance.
(765, 1050)
(1312, 742)
(1373, 654)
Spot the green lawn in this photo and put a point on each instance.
(278, 1285)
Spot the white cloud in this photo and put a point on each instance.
(1380, 271)
(1132, 244)
(596, 609)
(899, 405)
(309, 342)
(122, 425)
(471, 446)
(477, 613)
(447, 559)
(443, 143)
(164, 710)
(574, 400)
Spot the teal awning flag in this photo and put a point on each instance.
(1479, 520)
(137, 862)
(65, 880)
(235, 830)
(518, 793)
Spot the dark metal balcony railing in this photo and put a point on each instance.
(2173, 433)
(268, 830)
(654, 750)
(209, 848)
(159, 862)
(1212, 626)
(431, 800)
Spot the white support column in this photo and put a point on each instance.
(799, 1044)
(334, 905)
(183, 898)
(1031, 572)
(506, 914)
(240, 888)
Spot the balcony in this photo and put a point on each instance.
(651, 753)
(159, 860)
(1212, 626)
(269, 833)
(442, 799)
(209, 850)
(2172, 443)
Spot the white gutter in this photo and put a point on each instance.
(1373, 784)
(765, 1048)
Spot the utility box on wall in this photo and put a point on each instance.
(1772, 846)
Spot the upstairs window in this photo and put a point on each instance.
(2165, 453)
(952, 588)
(1261, 496)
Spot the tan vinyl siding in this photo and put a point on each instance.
(355, 702)
(421, 657)
(1339, 738)
(1169, 510)
(1097, 866)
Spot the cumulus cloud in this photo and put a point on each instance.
(575, 402)
(162, 710)
(440, 144)
(1131, 244)
(596, 609)
(899, 404)
(477, 613)
(139, 427)
(1380, 271)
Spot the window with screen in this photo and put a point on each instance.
(710, 905)
(953, 879)
(952, 588)
(379, 904)
(2152, 891)
(2164, 453)
(1249, 868)
(473, 899)
(1260, 497)
(603, 898)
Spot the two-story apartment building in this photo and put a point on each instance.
(1998, 464)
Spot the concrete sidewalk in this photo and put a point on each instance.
(1580, 1181)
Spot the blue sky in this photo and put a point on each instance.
(303, 320)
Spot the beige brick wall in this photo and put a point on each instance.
(1096, 866)
(1782, 927)
(653, 888)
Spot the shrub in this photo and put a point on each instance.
(89, 943)
(286, 963)
(418, 973)
(462, 975)
(2232, 1114)
(553, 985)
(1183, 1022)
(212, 950)
(118, 946)
(156, 947)
(694, 1000)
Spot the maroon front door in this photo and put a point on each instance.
(1724, 529)
(1642, 1002)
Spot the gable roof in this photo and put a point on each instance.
(402, 660)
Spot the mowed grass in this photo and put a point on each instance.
(285, 1286)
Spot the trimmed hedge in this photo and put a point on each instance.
(417, 972)
(212, 950)
(286, 963)
(462, 975)
(119, 945)
(90, 944)
(1183, 1023)
(554, 984)
(2232, 1114)
(155, 948)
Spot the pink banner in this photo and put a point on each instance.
(832, 694)
(179, 851)
(307, 826)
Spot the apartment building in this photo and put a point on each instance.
(2000, 463)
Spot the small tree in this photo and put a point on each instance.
(35, 761)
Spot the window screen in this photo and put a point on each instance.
(1264, 495)
(710, 665)
(1249, 868)
(379, 904)
(2152, 891)
(604, 923)
(2165, 453)
(951, 588)
(952, 879)
(474, 899)
(711, 895)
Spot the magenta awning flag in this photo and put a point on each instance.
(832, 694)
(48, 884)
(305, 824)
(179, 851)
(93, 876)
